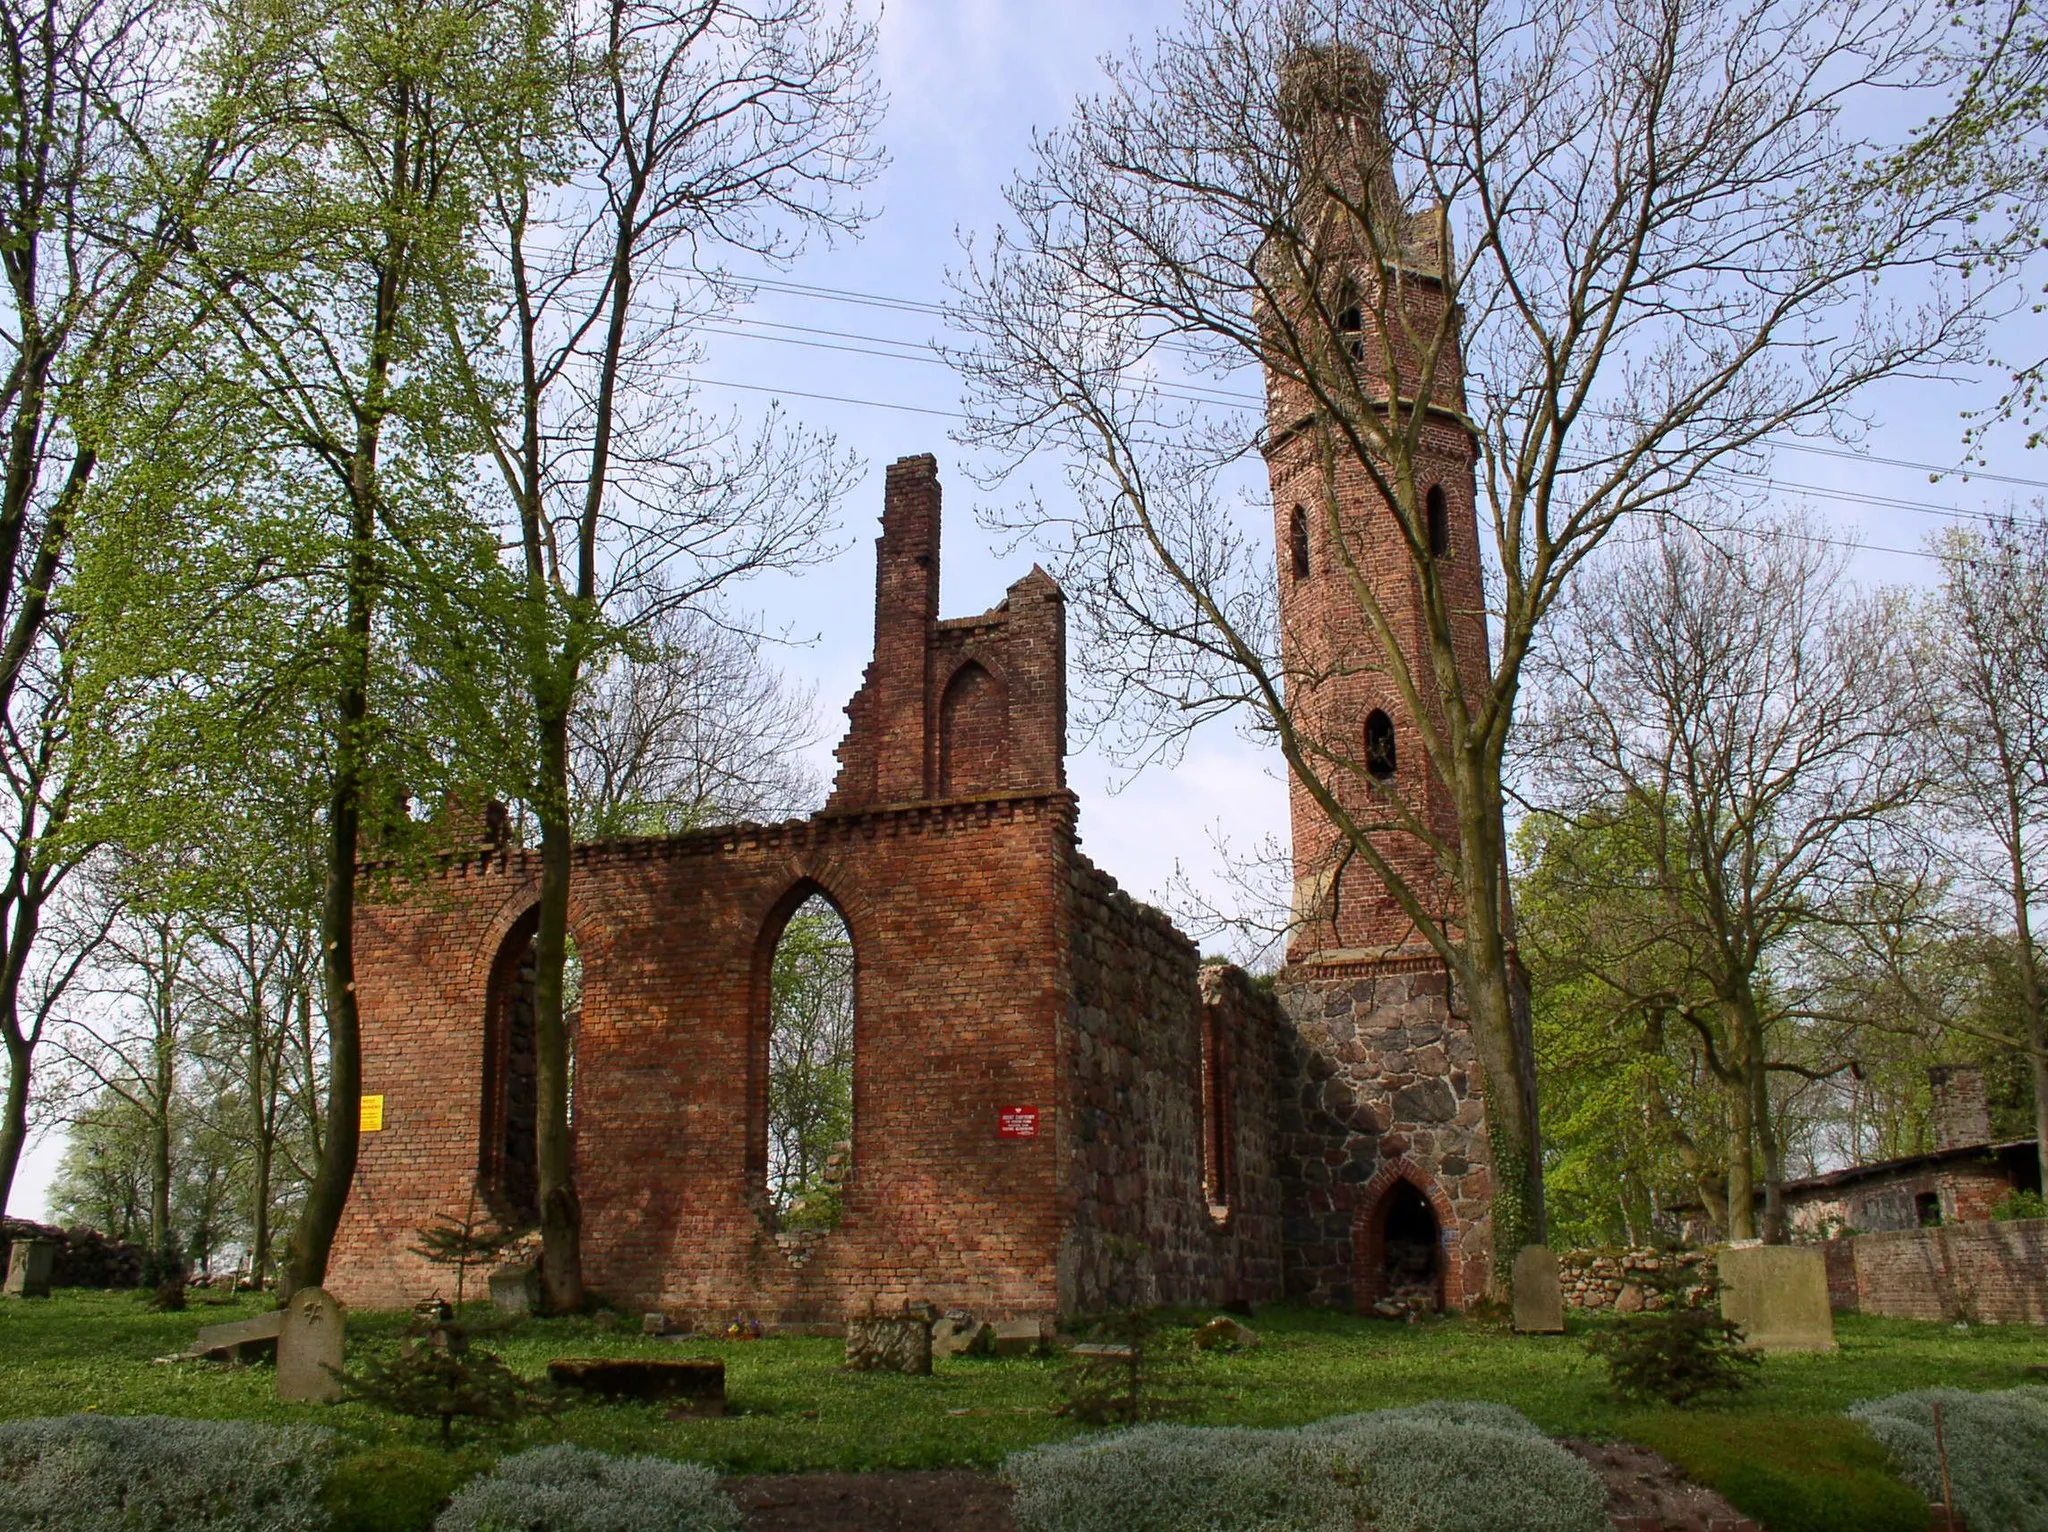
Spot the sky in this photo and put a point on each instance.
(968, 83)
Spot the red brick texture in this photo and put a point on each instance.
(1986, 1273)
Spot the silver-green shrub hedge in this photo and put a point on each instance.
(1446, 1467)
(151, 1473)
(571, 1489)
(1997, 1448)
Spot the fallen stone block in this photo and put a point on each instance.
(241, 1340)
(897, 1343)
(1225, 1334)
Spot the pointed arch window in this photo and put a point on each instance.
(1379, 745)
(807, 1146)
(1297, 542)
(1437, 519)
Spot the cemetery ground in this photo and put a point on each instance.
(1781, 1452)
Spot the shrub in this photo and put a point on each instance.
(150, 1473)
(436, 1376)
(2017, 1204)
(1997, 1448)
(1678, 1349)
(571, 1489)
(1446, 1467)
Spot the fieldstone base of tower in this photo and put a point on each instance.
(1384, 1160)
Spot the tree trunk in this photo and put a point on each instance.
(561, 1215)
(163, 1239)
(1500, 1032)
(1741, 1139)
(313, 1239)
(1769, 1150)
(14, 1122)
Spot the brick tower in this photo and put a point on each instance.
(1403, 1214)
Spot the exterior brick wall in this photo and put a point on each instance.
(1987, 1273)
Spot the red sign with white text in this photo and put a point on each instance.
(1017, 1122)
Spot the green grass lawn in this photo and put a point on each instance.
(792, 1408)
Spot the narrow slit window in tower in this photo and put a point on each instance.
(1297, 541)
(1438, 516)
(1379, 744)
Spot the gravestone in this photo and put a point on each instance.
(961, 1334)
(515, 1288)
(30, 1266)
(654, 1323)
(1538, 1295)
(308, 1344)
(242, 1340)
(1779, 1295)
(889, 1343)
(1017, 1337)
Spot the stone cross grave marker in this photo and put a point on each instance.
(308, 1343)
(1539, 1298)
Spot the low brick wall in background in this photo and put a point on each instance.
(1598, 1279)
(1987, 1273)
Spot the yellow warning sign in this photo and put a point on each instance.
(373, 1114)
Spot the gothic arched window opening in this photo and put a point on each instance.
(1437, 515)
(1379, 744)
(1351, 321)
(1297, 541)
(810, 1066)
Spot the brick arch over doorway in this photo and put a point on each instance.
(1369, 1235)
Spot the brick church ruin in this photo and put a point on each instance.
(1057, 1106)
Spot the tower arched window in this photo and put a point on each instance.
(1437, 521)
(1379, 744)
(1297, 541)
(1351, 321)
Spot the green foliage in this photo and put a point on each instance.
(87, 1473)
(1146, 1378)
(437, 1376)
(2017, 1204)
(1681, 1350)
(1793, 1474)
(1996, 1446)
(471, 1240)
(395, 1489)
(1439, 1467)
(570, 1489)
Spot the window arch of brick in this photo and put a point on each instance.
(1380, 757)
(508, 1143)
(770, 1173)
(1395, 1188)
(974, 733)
(1297, 542)
(508, 1172)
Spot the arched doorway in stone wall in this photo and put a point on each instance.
(1399, 1255)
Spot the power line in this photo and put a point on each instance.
(745, 330)
(918, 306)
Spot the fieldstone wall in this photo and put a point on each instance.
(1389, 1091)
(1613, 1279)
(1167, 1120)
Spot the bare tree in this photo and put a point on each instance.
(1631, 224)
(1987, 669)
(685, 133)
(688, 727)
(1748, 716)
